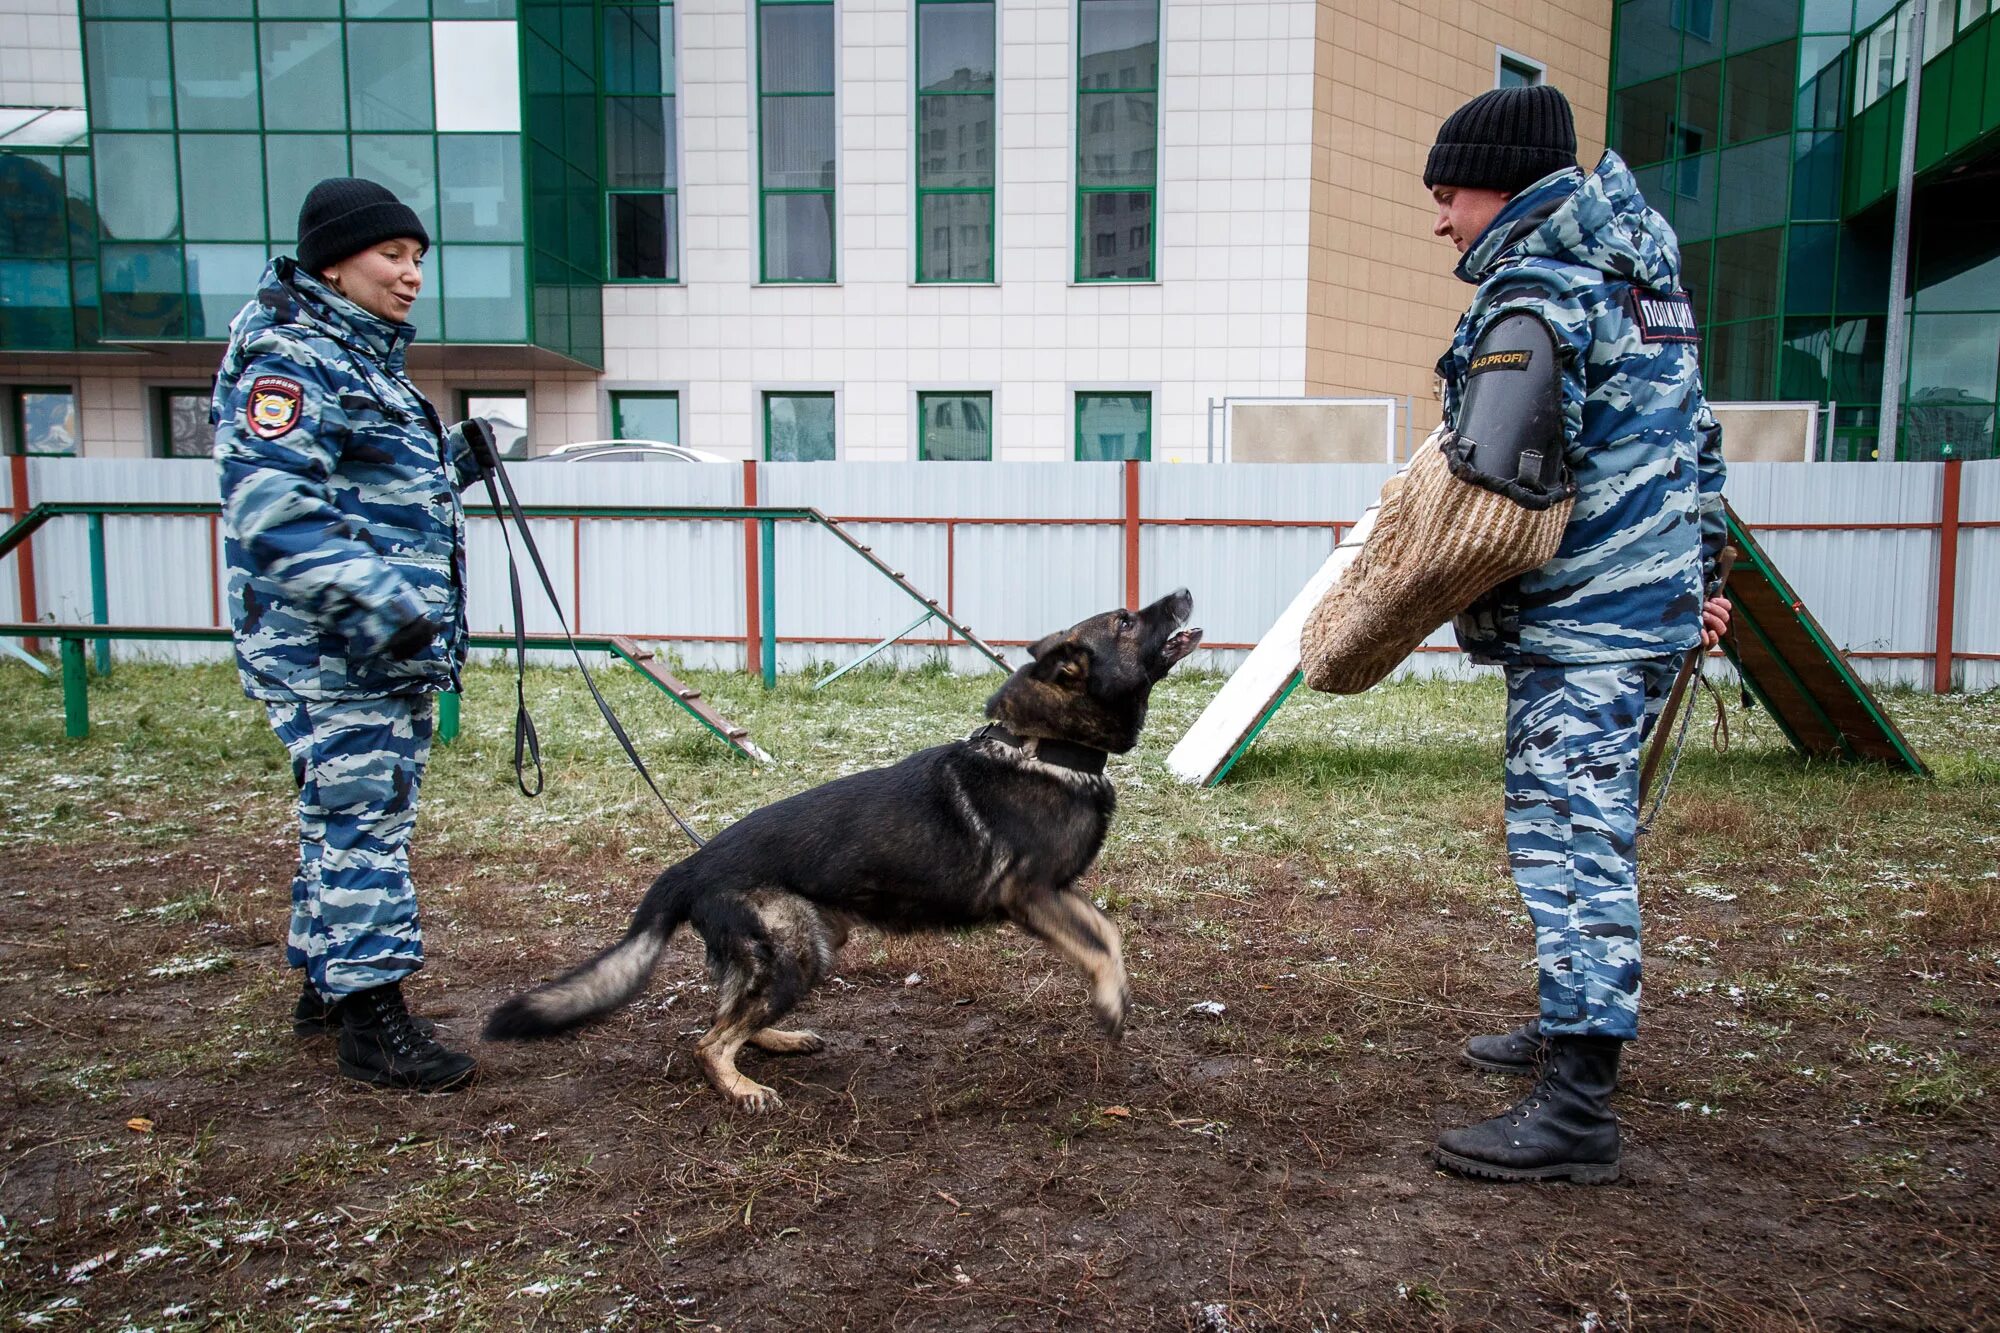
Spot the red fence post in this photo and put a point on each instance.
(1947, 575)
(24, 554)
(1132, 532)
(753, 635)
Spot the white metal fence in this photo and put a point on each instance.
(1859, 542)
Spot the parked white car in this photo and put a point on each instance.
(628, 451)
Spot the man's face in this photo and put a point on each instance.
(1465, 211)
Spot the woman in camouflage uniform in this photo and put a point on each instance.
(346, 550)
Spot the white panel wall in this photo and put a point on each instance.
(41, 53)
(1226, 317)
(683, 581)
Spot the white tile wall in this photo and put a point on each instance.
(41, 53)
(1227, 316)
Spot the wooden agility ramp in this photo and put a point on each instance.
(1784, 656)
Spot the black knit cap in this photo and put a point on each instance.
(1504, 140)
(344, 215)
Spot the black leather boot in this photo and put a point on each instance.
(380, 1043)
(312, 1016)
(1516, 1052)
(1564, 1129)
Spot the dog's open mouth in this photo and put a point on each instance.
(1180, 645)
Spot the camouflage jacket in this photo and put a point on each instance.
(340, 505)
(1602, 270)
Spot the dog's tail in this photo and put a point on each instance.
(611, 978)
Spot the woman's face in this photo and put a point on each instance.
(384, 279)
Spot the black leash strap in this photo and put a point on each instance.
(527, 745)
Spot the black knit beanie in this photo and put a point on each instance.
(344, 215)
(1504, 140)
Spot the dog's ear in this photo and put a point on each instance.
(1064, 664)
(1047, 642)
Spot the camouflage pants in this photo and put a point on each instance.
(358, 764)
(1573, 741)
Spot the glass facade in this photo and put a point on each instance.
(1743, 121)
(1117, 139)
(957, 140)
(48, 251)
(1114, 426)
(641, 137)
(796, 133)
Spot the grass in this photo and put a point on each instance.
(1823, 964)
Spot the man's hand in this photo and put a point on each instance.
(479, 439)
(412, 639)
(1714, 621)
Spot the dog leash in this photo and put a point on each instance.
(1690, 671)
(527, 743)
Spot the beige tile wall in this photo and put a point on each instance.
(1381, 302)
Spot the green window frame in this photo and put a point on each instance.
(638, 107)
(1097, 410)
(955, 426)
(180, 421)
(797, 220)
(630, 415)
(1117, 140)
(801, 426)
(957, 140)
(19, 441)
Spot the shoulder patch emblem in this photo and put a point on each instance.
(274, 406)
(1664, 319)
(1517, 360)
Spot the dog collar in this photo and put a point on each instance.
(1063, 754)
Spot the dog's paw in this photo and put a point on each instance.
(1111, 1019)
(755, 1098)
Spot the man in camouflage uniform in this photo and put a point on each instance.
(1578, 355)
(346, 550)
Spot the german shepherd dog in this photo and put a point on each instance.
(996, 827)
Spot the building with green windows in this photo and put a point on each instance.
(1768, 133)
(960, 230)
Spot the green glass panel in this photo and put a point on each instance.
(1695, 276)
(1740, 361)
(389, 76)
(1809, 269)
(141, 296)
(82, 202)
(304, 85)
(1758, 93)
(642, 237)
(1118, 44)
(646, 416)
(485, 293)
(1854, 359)
(138, 195)
(1827, 16)
(1816, 168)
(798, 143)
(1645, 113)
(1936, 430)
(225, 198)
(128, 83)
(639, 140)
(124, 9)
(407, 164)
(35, 304)
(955, 237)
(1752, 190)
(215, 76)
(1649, 44)
(1116, 138)
(386, 9)
(479, 178)
(1822, 80)
(83, 285)
(1954, 357)
(1959, 282)
(472, 9)
(955, 142)
(799, 427)
(956, 427)
(293, 164)
(1701, 111)
(221, 280)
(213, 9)
(798, 238)
(1803, 357)
(298, 9)
(1699, 23)
(1752, 23)
(1117, 236)
(35, 222)
(1691, 181)
(955, 48)
(639, 50)
(1746, 275)
(795, 50)
(1114, 426)
(1864, 273)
